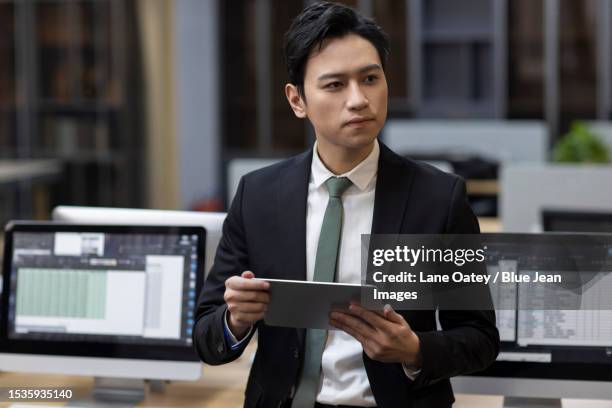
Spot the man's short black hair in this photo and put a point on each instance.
(321, 21)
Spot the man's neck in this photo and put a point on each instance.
(340, 160)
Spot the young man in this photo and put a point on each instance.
(303, 218)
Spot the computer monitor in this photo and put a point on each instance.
(503, 141)
(105, 301)
(212, 221)
(576, 221)
(548, 354)
(526, 189)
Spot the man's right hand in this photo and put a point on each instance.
(247, 302)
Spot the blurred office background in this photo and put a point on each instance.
(165, 103)
(146, 103)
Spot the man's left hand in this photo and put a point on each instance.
(385, 336)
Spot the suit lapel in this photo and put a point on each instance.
(393, 184)
(291, 210)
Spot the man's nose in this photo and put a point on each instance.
(357, 100)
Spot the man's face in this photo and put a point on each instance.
(345, 92)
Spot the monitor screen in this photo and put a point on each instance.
(576, 221)
(102, 288)
(569, 344)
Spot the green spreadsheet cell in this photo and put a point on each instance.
(68, 293)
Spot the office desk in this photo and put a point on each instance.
(489, 224)
(220, 387)
(488, 187)
(223, 387)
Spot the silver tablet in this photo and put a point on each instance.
(305, 304)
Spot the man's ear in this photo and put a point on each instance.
(295, 101)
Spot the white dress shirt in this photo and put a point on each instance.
(343, 376)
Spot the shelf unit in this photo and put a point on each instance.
(577, 40)
(458, 58)
(70, 90)
(7, 79)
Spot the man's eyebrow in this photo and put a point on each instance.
(361, 70)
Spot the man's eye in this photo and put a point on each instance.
(333, 85)
(370, 79)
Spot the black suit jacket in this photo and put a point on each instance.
(265, 232)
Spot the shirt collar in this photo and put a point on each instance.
(361, 175)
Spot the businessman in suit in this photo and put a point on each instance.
(302, 219)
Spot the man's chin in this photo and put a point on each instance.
(358, 147)
(353, 141)
(360, 141)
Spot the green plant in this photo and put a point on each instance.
(580, 145)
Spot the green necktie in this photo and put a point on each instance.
(324, 271)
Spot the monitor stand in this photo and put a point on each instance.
(522, 402)
(117, 392)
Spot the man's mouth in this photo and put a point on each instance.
(359, 121)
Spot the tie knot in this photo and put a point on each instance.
(337, 186)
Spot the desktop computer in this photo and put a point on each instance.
(547, 355)
(212, 221)
(100, 300)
